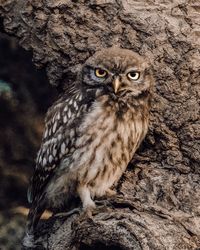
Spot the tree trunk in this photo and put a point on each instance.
(158, 206)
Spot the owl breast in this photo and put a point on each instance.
(106, 143)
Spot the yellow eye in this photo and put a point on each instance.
(133, 75)
(101, 73)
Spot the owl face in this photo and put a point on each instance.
(118, 71)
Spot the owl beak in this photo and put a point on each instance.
(116, 84)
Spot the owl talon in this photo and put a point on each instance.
(89, 213)
(86, 214)
(68, 214)
(103, 203)
(103, 206)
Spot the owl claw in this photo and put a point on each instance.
(89, 213)
(109, 199)
(68, 214)
(103, 205)
(86, 214)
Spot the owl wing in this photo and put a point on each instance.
(60, 128)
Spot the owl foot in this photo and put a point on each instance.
(103, 203)
(68, 214)
(109, 199)
(88, 208)
(103, 207)
(85, 196)
(87, 213)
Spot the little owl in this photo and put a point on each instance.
(92, 132)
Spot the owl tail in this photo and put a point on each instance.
(33, 217)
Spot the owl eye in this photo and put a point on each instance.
(101, 73)
(133, 75)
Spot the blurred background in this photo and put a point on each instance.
(25, 96)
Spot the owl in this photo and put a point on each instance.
(92, 132)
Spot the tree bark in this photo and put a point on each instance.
(159, 205)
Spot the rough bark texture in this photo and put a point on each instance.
(161, 204)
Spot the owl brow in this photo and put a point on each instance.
(132, 69)
(101, 67)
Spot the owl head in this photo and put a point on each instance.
(117, 70)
